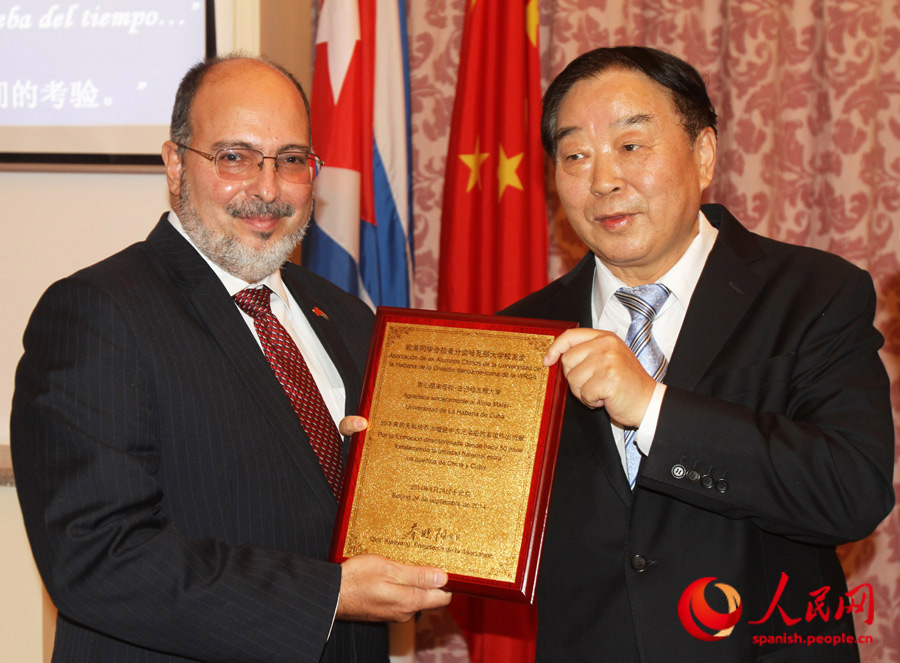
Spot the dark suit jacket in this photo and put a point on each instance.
(174, 505)
(776, 393)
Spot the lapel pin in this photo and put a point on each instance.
(319, 312)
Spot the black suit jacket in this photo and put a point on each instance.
(776, 393)
(174, 505)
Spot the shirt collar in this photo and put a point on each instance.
(681, 279)
(232, 283)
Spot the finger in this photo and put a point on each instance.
(585, 385)
(433, 598)
(352, 424)
(425, 577)
(567, 340)
(419, 600)
(592, 369)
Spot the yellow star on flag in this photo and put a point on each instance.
(532, 21)
(474, 161)
(506, 171)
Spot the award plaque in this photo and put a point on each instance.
(456, 465)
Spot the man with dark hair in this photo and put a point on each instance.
(175, 420)
(729, 421)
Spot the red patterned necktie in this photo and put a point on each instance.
(297, 382)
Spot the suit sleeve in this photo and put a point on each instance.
(83, 438)
(803, 440)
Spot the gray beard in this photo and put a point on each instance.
(250, 265)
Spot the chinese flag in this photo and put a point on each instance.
(494, 229)
(494, 223)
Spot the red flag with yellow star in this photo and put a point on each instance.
(494, 229)
(494, 223)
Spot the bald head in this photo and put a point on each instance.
(223, 66)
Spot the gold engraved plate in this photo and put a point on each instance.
(446, 469)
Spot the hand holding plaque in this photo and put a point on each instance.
(455, 467)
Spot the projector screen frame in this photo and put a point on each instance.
(99, 162)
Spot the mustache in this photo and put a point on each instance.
(250, 208)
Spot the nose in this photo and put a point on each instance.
(606, 176)
(266, 185)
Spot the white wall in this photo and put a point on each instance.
(57, 223)
(22, 606)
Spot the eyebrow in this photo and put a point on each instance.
(638, 118)
(630, 121)
(226, 144)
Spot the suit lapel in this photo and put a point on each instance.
(217, 313)
(725, 290)
(573, 302)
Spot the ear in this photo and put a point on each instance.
(705, 151)
(174, 166)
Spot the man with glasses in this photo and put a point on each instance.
(175, 419)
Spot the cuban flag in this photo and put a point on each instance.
(361, 238)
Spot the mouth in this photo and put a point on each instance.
(262, 224)
(614, 221)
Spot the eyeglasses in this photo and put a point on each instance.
(242, 163)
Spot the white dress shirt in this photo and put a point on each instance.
(288, 313)
(609, 314)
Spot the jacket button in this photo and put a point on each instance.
(639, 563)
(722, 486)
(707, 481)
(693, 476)
(678, 471)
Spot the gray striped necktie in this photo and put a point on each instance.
(643, 303)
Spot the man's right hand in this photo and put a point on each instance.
(603, 372)
(375, 588)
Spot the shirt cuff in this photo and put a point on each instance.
(647, 430)
(333, 617)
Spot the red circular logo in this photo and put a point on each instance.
(700, 620)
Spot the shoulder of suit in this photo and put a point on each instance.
(118, 281)
(533, 305)
(124, 269)
(794, 257)
(536, 304)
